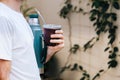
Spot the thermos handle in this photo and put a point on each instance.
(44, 55)
(44, 51)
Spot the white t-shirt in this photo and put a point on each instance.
(16, 45)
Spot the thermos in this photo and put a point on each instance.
(38, 42)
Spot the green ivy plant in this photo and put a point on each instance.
(104, 22)
(66, 11)
(103, 16)
(69, 7)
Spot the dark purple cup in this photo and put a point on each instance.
(48, 30)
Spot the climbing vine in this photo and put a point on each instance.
(103, 15)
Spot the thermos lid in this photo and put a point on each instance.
(33, 16)
(33, 19)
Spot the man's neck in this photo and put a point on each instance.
(13, 4)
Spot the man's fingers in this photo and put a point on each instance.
(57, 41)
(57, 47)
(59, 31)
(59, 36)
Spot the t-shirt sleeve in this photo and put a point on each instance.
(6, 33)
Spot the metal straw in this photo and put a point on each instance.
(38, 12)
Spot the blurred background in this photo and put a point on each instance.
(78, 30)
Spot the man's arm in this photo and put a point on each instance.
(55, 38)
(5, 67)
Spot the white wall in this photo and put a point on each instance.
(92, 60)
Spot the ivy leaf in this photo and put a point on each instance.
(110, 51)
(83, 78)
(96, 4)
(115, 27)
(69, 6)
(95, 24)
(116, 49)
(114, 16)
(94, 11)
(64, 11)
(112, 56)
(116, 5)
(106, 16)
(81, 68)
(86, 46)
(112, 40)
(98, 32)
(75, 48)
(85, 74)
(109, 36)
(101, 70)
(94, 14)
(74, 67)
(75, 8)
(112, 64)
(97, 75)
(81, 10)
(105, 6)
(110, 24)
(92, 18)
(67, 1)
(106, 49)
(112, 30)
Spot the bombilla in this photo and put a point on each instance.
(38, 12)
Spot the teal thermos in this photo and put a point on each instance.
(37, 32)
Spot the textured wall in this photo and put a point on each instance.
(92, 60)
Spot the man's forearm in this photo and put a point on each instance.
(49, 55)
(5, 67)
(4, 76)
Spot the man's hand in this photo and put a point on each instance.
(5, 67)
(55, 38)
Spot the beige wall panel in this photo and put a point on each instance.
(82, 30)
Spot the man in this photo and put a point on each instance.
(17, 58)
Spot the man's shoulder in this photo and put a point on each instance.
(4, 16)
(3, 12)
